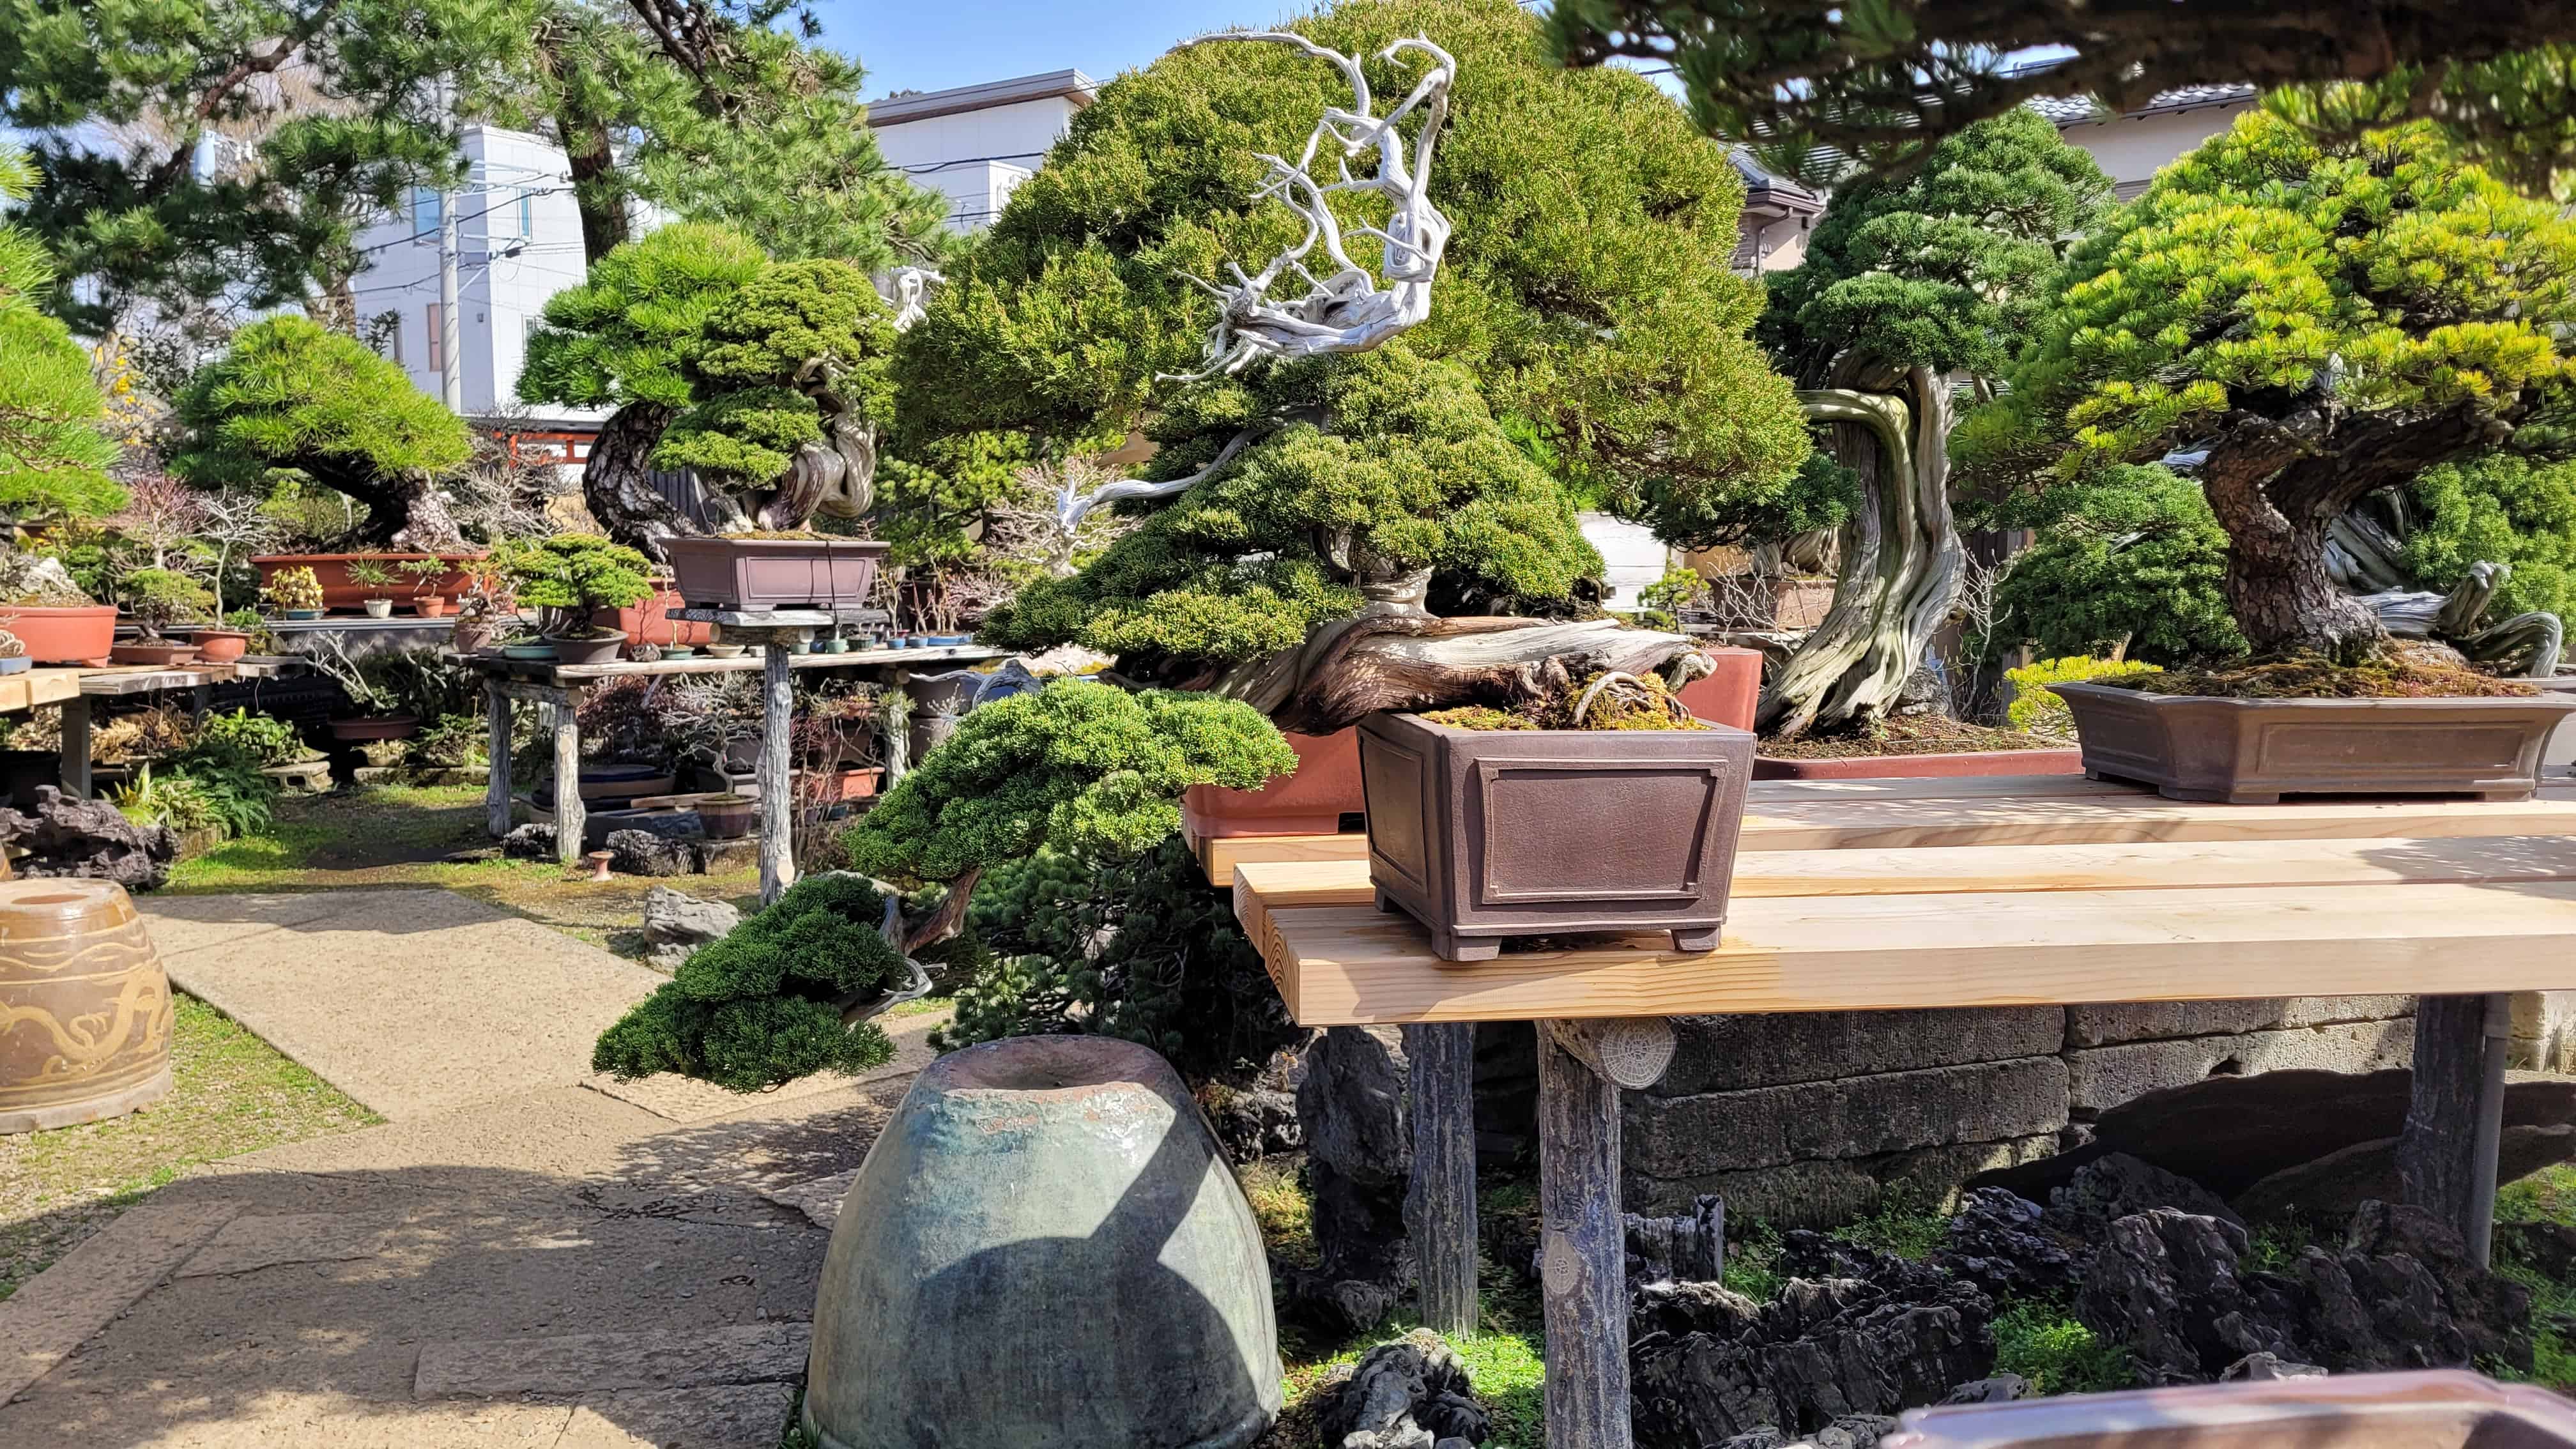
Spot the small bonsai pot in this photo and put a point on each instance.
(304, 613)
(728, 817)
(600, 648)
(159, 653)
(19, 665)
(679, 651)
(378, 608)
(727, 651)
(755, 574)
(835, 645)
(468, 636)
(220, 646)
(800, 646)
(1483, 834)
(375, 727)
(541, 650)
(2254, 751)
(431, 606)
(81, 634)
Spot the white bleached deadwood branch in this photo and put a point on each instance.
(911, 294)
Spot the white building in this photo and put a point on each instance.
(974, 144)
(2132, 146)
(518, 243)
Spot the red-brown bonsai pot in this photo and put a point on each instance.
(79, 634)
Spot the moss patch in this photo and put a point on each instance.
(1917, 734)
(2042, 1342)
(2403, 672)
(231, 1093)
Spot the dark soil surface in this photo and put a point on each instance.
(1921, 734)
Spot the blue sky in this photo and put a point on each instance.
(945, 43)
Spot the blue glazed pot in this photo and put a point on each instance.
(1045, 1250)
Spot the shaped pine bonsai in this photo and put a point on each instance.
(290, 394)
(574, 574)
(159, 598)
(2315, 321)
(1078, 766)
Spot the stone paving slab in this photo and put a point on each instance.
(248, 1244)
(587, 1363)
(415, 1002)
(58, 1310)
(726, 1416)
(819, 1199)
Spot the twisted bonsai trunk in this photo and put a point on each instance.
(1902, 561)
(617, 484)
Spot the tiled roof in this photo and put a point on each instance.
(2074, 110)
(1762, 183)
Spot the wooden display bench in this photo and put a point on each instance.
(1911, 894)
(123, 682)
(560, 687)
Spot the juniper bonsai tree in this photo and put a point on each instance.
(616, 341)
(1351, 524)
(1080, 767)
(291, 395)
(1912, 289)
(53, 456)
(789, 377)
(2314, 321)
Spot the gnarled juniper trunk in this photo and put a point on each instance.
(617, 482)
(1901, 557)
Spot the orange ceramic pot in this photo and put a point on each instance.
(1729, 696)
(1312, 801)
(79, 635)
(84, 1007)
(220, 646)
(339, 591)
(651, 623)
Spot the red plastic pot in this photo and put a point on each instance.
(1312, 801)
(331, 570)
(79, 635)
(1923, 767)
(1729, 696)
(651, 623)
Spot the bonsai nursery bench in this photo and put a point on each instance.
(560, 688)
(1896, 894)
(117, 683)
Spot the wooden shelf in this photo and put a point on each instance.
(537, 671)
(29, 688)
(2015, 811)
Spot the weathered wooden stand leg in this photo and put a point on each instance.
(1440, 1204)
(1582, 1241)
(2446, 1158)
(777, 815)
(75, 769)
(569, 816)
(496, 746)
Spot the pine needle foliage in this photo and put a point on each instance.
(53, 456)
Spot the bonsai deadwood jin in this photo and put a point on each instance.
(2310, 323)
(1078, 766)
(1364, 526)
(1912, 289)
(292, 395)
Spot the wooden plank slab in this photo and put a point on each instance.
(1895, 819)
(1343, 965)
(1291, 885)
(29, 688)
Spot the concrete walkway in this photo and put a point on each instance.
(521, 1255)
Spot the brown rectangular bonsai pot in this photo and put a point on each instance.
(2254, 751)
(1483, 834)
(757, 574)
(1961, 765)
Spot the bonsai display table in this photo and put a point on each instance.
(560, 687)
(198, 680)
(1908, 894)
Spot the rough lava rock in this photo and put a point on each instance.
(1854, 1336)
(2113, 1187)
(532, 841)
(2166, 1284)
(641, 852)
(89, 840)
(1254, 1122)
(676, 925)
(1409, 1394)
(2007, 1246)
(1353, 1110)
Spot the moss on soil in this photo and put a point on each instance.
(1642, 703)
(1914, 734)
(2403, 673)
(231, 1093)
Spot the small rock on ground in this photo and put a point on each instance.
(1409, 1394)
(676, 924)
(641, 852)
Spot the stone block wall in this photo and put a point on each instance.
(1811, 1118)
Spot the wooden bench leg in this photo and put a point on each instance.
(569, 815)
(1582, 1240)
(2446, 1155)
(777, 812)
(496, 748)
(1440, 1203)
(75, 766)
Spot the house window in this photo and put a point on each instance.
(437, 338)
(424, 212)
(394, 341)
(527, 213)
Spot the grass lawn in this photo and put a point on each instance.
(402, 834)
(232, 1093)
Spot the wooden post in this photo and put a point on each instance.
(1582, 1233)
(777, 817)
(75, 770)
(2435, 1167)
(1440, 1204)
(569, 816)
(496, 745)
